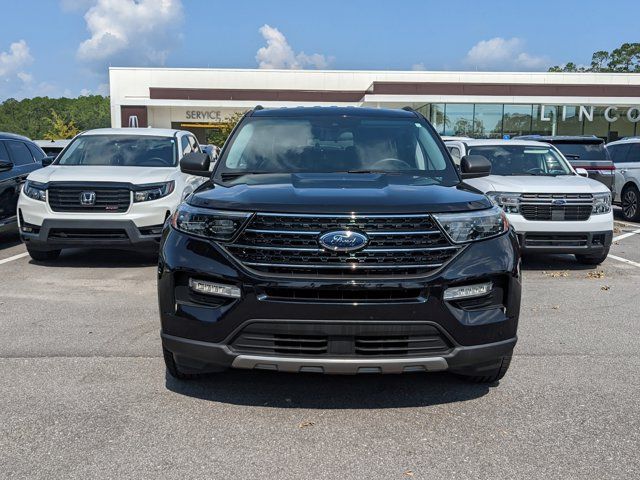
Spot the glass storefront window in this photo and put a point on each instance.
(436, 117)
(487, 121)
(544, 120)
(599, 127)
(458, 119)
(622, 127)
(569, 121)
(517, 120)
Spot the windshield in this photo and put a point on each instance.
(583, 151)
(120, 151)
(332, 144)
(522, 160)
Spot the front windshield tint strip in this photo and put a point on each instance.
(335, 144)
(120, 151)
(523, 160)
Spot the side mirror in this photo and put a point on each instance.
(46, 161)
(474, 166)
(5, 165)
(196, 163)
(582, 172)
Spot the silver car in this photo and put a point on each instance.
(626, 158)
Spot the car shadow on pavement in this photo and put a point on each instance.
(9, 239)
(317, 391)
(102, 258)
(553, 262)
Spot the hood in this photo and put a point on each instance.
(537, 184)
(338, 193)
(73, 173)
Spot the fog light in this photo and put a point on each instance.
(467, 291)
(216, 289)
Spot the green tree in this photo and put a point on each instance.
(60, 129)
(223, 130)
(624, 59)
(32, 116)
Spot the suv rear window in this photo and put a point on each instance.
(583, 151)
(336, 144)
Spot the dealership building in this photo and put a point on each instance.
(477, 104)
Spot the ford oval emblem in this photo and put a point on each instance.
(558, 202)
(343, 240)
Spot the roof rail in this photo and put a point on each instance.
(408, 109)
(258, 107)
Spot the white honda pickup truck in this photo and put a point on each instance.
(552, 207)
(107, 188)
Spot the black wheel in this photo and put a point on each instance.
(43, 255)
(491, 376)
(173, 369)
(595, 259)
(631, 203)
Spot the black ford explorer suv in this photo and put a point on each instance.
(338, 240)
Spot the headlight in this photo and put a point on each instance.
(145, 193)
(601, 203)
(473, 226)
(507, 201)
(208, 223)
(35, 190)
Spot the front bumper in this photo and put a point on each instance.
(202, 332)
(195, 356)
(591, 236)
(56, 234)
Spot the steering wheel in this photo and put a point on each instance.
(391, 164)
(534, 170)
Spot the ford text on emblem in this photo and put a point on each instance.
(558, 202)
(343, 241)
(88, 198)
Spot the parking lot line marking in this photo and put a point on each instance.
(624, 260)
(15, 257)
(626, 235)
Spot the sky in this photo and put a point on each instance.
(65, 47)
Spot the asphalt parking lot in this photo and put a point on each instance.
(84, 393)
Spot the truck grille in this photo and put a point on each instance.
(108, 198)
(288, 245)
(560, 207)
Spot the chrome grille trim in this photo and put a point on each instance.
(399, 246)
(540, 206)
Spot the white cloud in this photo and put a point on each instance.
(503, 54)
(130, 32)
(279, 54)
(13, 61)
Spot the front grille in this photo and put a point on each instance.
(108, 198)
(540, 240)
(370, 295)
(556, 207)
(288, 245)
(341, 340)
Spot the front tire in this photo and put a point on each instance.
(490, 376)
(593, 259)
(43, 255)
(631, 203)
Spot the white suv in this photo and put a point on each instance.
(626, 158)
(552, 208)
(108, 187)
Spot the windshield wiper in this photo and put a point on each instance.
(572, 156)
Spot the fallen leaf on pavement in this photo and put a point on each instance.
(408, 473)
(564, 273)
(306, 424)
(596, 274)
(605, 287)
